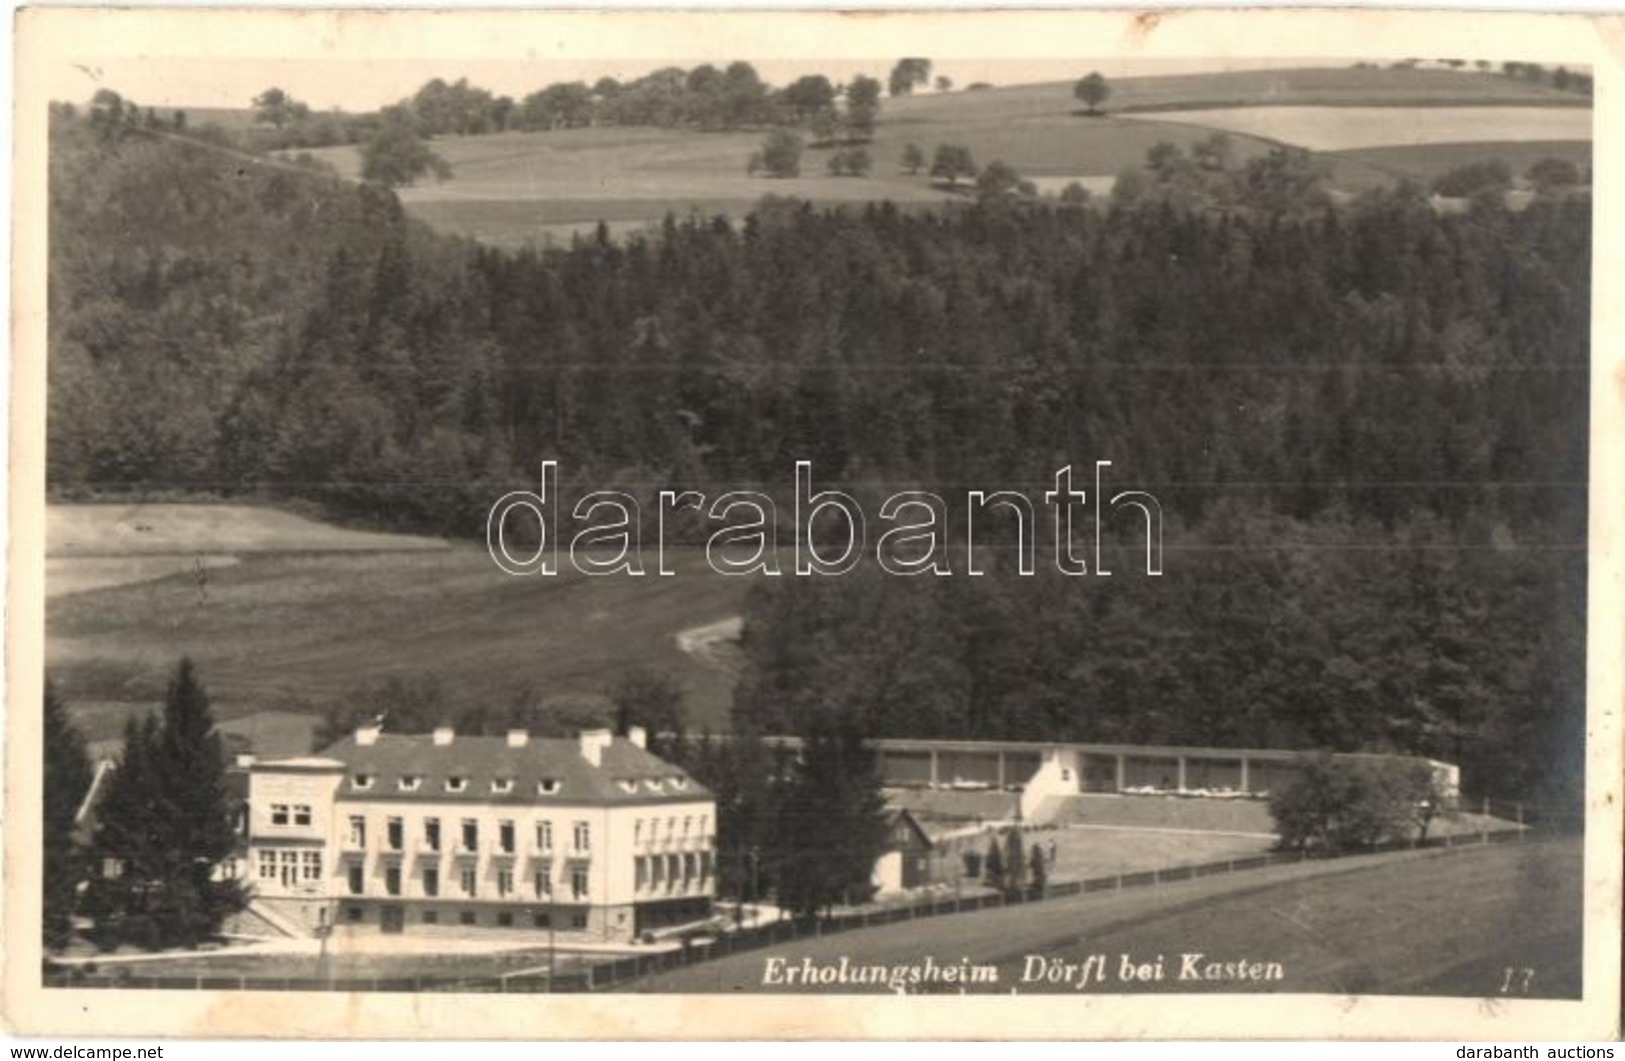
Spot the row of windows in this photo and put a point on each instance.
(414, 783)
(503, 919)
(290, 814)
(503, 785)
(290, 866)
(689, 825)
(673, 871)
(468, 883)
(469, 835)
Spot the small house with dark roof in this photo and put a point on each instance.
(905, 860)
(594, 837)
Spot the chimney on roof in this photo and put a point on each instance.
(245, 760)
(638, 735)
(368, 734)
(518, 738)
(593, 743)
(444, 735)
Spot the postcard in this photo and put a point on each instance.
(837, 525)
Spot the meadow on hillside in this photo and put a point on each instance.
(514, 188)
(284, 630)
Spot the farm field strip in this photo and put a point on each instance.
(1348, 128)
(1426, 162)
(1307, 86)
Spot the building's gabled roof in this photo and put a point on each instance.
(899, 824)
(492, 770)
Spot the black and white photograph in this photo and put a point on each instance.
(1095, 510)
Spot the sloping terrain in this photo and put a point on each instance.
(309, 612)
(515, 188)
(1411, 923)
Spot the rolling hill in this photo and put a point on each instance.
(514, 188)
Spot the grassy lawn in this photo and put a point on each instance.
(1430, 923)
(285, 632)
(1082, 852)
(131, 530)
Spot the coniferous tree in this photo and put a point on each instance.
(993, 865)
(66, 777)
(167, 823)
(744, 778)
(1038, 870)
(654, 702)
(833, 821)
(129, 839)
(200, 833)
(1015, 862)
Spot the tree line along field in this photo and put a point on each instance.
(514, 188)
(1414, 923)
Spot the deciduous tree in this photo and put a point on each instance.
(913, 159)
(781, 153)
(1093, 90)
(907, 74)
(276, 108)
(397, 154)
(951, 162)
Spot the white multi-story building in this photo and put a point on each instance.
(596, 836)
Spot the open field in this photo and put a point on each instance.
(1350, 128)
(148, 529)
(515, 188)
(1308, 86)
(285, 631)
(99, 546)
(1426, 162)
(534, 187)
(75, 574)
(1407, 923)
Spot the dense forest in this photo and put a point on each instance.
(1365, 422)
